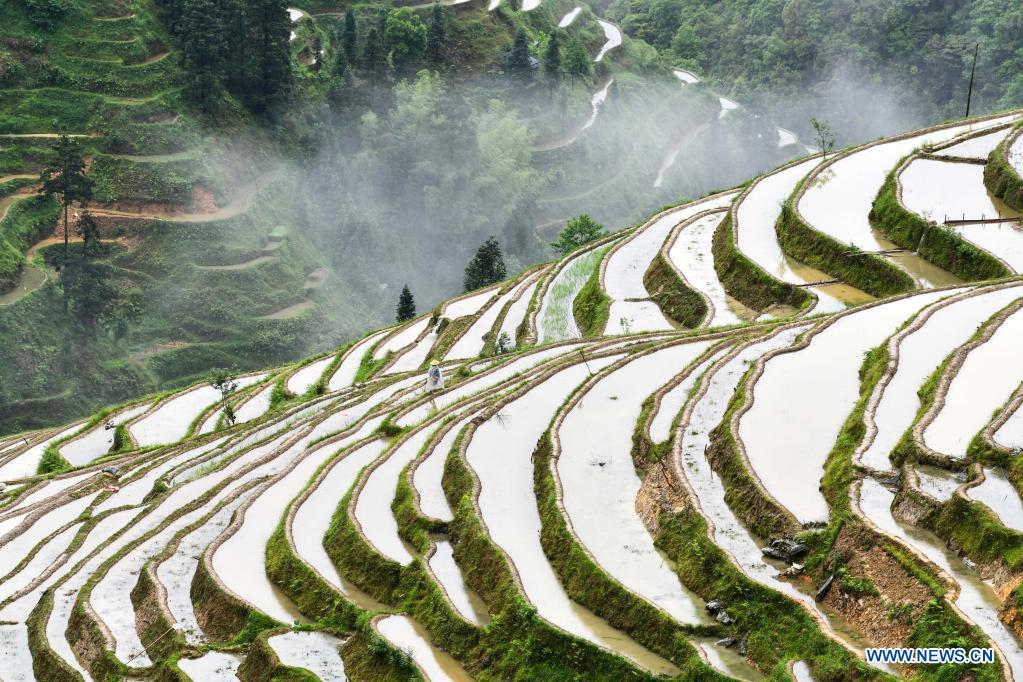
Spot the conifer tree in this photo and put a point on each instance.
(340, 77)
(577, 64)
(519, 65)
(202, 51)
(437, 35)
(65, 176)
(271, 27)
(406, 305)
(486, 267)
(552, 63)
(373, 55)
(350, 36)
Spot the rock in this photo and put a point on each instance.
(713, 606)
(969, 563)
(793, 570)
(823, 591)
(785, 549)
(742, 645)
(727, 642)
(724, 618)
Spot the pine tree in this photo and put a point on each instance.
(437, 35)
(89, 230)
(406, 305)
(271, 27)
(577, 62)
(552, 63)
(486, 267)
(202, 51)
(340, 78)
(373, 55)
(350, 36)
(65, 176)
(520, 66)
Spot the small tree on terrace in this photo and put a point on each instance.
(486, 267)
(824, 136)
(65, 176)
(577, 63)
(224, 382)
(578, 231)
(406, 305)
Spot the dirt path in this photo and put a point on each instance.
(259, 260)
(289, 312)
(34, 277)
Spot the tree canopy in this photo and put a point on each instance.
(486, 267)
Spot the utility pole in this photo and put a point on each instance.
(973, 72)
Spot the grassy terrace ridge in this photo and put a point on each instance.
(1001, 178)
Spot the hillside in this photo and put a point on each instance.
(745, 439)
(242, 220)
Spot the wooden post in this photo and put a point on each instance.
(973, 72)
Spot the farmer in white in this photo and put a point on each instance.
(434, 381)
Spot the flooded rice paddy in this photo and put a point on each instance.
(317, 652)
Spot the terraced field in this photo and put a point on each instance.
(592, 499)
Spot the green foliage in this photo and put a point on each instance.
(437, 34)
(857, 586)
(823, 136)
(486, 267)
(577, 232)
(676, 300)
(96, 301)
(519, 64)
(48, 13)
(51, 462)
(552, 68)
(1001, 177)
(27, 221)
(592, 306)
(122, 439)
(65, 176)
(406, 306)
(405, 35)
(577, 63)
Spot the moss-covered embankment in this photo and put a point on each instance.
(1002, 178)
(939, 245)
(865, 271)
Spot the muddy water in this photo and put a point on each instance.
(213, 666)
(924, 273)
(100, 439)
(471, 343)
(373, 506)
(468, 603)
(403, 338)
(484, 382)
(977, 148)
(134, 492)
(42, 560)
(555, 320)
(501, 455)
(344, 376)
(613, 35)
(1001, 496)
(428, 476)
(409, 636)
(26, 463)
(1010, 434)
(838, 203)
(727, 660)
(920, 353)
(938, 190)
(317, 652)
(170, 420)
(673, 400)
(413, 358)
(1015, 155)
(600, 483)
(976, 598)
(987, 378)
(692, 255)
(19, 547)
(1004, 240)
(301, 380)
(802, 398)
(233, 559)
(727, 531)
(470, 305)
(313, 518)
(936, 482)
(623, 276)
(686, 77)
(517, 311)
(177, 572)
(567, 20)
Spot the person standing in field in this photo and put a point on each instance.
(434, 381)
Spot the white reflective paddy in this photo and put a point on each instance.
(692, 254)
(317, 652)
(100, 439)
